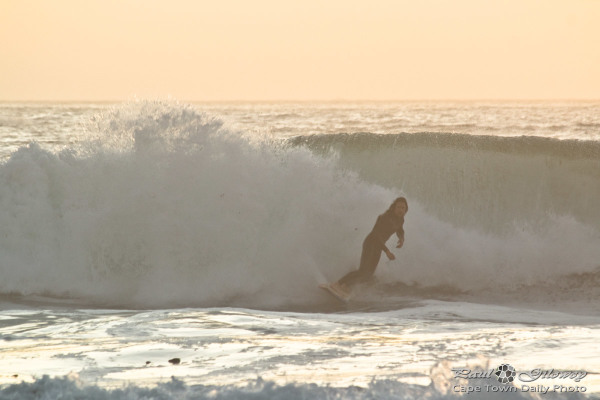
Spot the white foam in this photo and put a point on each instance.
(165, 206)
(177, 389)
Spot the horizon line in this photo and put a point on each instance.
(271, 101)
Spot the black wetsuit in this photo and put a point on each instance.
(386, 224)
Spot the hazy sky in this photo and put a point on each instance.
(299, 50)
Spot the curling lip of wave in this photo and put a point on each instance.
(569, 148)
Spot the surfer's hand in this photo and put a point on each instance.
(400, 243)
(390, 255)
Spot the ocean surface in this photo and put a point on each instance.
(164, 250)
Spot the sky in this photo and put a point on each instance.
(305, 50)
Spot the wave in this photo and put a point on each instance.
(165, 206)
(504, 214)
(485, 182)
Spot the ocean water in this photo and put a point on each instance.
(160, 250)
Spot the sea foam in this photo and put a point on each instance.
(165, 206)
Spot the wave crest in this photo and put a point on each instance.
(166, 206)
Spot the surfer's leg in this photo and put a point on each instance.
(354, 276)
(368, 263)
(371, 263)
(350, 278)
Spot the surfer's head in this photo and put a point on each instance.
(399, 206)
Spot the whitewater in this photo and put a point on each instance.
(155, 249)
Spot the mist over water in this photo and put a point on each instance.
(165, 206)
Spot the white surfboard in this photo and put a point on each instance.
(336, 292)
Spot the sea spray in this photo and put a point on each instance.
(166, 206)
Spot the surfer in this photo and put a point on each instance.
(387, 223)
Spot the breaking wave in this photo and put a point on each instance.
(166, 206)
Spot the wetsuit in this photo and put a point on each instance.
(386, 224)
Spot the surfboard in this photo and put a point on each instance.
(335, 292)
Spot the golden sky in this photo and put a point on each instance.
(219, 50)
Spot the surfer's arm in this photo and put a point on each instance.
(384, 247)
(400, 242)
(400, 234)
(387, 251)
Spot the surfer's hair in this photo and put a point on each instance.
(398, 200)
